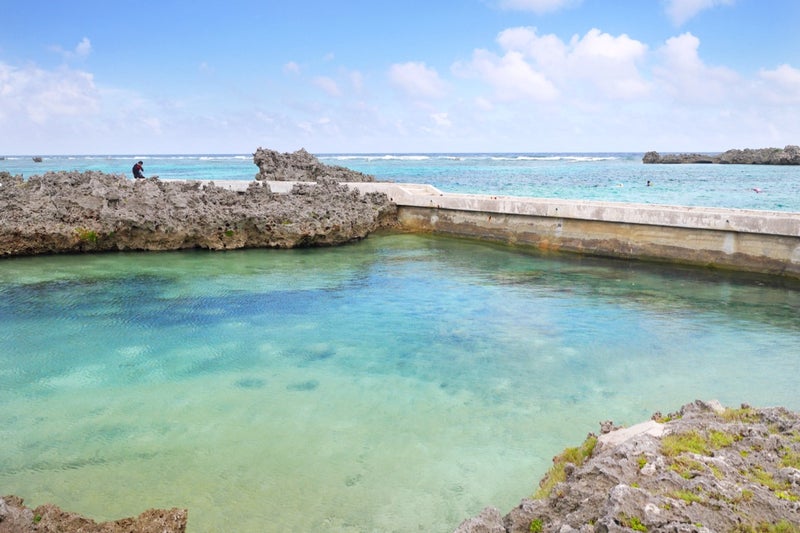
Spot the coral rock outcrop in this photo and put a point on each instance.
(301, 166)
(93, 211)
(15, 517)
(703, 469)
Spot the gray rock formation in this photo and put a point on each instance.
(301, 166)
(92, 211)
(15, 517)
(704, 469)
(790, 155)
(656, 158)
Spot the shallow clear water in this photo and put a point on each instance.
(398, 384)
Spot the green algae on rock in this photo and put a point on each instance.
(706, 469)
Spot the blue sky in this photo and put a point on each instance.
(169, 76)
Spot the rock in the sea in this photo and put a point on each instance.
(703, 469)
(92, 211)
(790, 155)
(656, 158)
(301, 166)
(15, 517)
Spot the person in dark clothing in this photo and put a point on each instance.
(138, 170)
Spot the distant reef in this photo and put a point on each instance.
(704, 469)
(790, 155)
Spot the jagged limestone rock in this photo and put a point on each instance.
(705, 468)
(15, 517)
(301, 166)
(790, 155)
(92, 211)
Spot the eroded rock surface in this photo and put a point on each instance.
(790, 155)
(15, 517)
(301, 166)
(704, 469)
(93, 211)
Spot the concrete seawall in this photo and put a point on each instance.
(746, 240)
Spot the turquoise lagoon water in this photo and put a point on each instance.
(619, 177)
(397, 384)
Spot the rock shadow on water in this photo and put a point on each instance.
(303, 386)
(310, 354)
(250, 383)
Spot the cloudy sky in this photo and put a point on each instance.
(357, 76)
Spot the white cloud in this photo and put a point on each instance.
(328, 85)
(681, 11)
(610, 63)
(685, 77)
(681, 54)
(441, 119)
(483, 104)
(291, 68)
(511, 76)
(153, 125)
(81, 50)
(694, 103)
(84, 48)
(205, 68)
(357, 81)
(40, 96)
(64, 110)
(783, 84)
(417, 80)
(548, 51)
(596, 45)
(542, 68)
(538, 6)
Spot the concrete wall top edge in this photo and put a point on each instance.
(740, 220)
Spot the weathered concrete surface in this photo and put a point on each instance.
(790, 155)
(15, 517)
(400, 193)
(704, 469)
(755, 241)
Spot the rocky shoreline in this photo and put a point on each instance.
(15, 517)
(703, 469)
(790, 155)
(72, 212)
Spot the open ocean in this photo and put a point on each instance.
(396, 384)
(619, 177)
